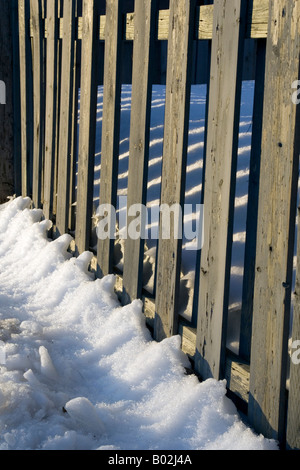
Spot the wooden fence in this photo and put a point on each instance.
(70, 45)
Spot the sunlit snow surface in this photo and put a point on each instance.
(193, 188)
(81, 372)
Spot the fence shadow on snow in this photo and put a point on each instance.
(172, 103)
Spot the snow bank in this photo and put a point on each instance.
(80, 371)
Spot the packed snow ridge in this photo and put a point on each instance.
(79, 371)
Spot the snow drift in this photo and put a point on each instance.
(81, 372)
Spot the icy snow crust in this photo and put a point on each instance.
(82, 372)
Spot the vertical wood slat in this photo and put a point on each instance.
(198, 256)
(50, 112)
(252, 207)
(143, 48)
(23, 41)
(110, 125)
(66, 118)
(276, 224)
(87, 129)
(43, 94)
(16, 101)
(37, 66)
(25, 94)
(74, 124)
(219, 188)
(57, 107)
(180, 51)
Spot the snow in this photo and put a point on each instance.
(82, 372)
(193, 190)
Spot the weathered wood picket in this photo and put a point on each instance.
(66, 49)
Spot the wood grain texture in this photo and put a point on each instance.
(17, 160)
(74, 125)
(206, 15)
(110, 124)
(23, 96)
(276, 224)
(37, 68)
(258, 19)
(50, 107)
(174, 164)
(143, 55)
(87, 129)
(57, 110)
(219, 190)
(257, 22)
(66, 121)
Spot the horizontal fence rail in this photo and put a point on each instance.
(66, 50)
(257, 23)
